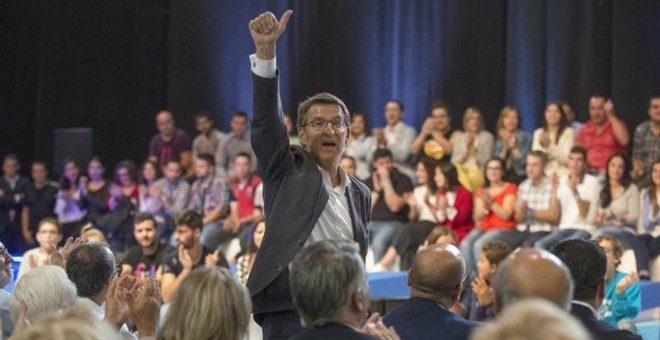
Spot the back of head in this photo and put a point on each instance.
(76, 323)
(532, 273)
(323, 279)
(43, 289)
(437, 272)
(209, 304)
(90, 266)
(587, 263)
(533, 319)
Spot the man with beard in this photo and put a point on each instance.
(190, 255)
(6, 277)
(145, 259)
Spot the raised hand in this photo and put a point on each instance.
(116, 310)
(624, 283)
(374, 326)
(185, 259)
(483, 291)
(144, 306)
(59, 256)
(212, 259)
(265, 30)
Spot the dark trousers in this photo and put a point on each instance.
(279, 325)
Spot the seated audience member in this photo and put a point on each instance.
(617, 211)
(349, 165)
(191, 253)
(209, 196)
(169, 142)
(91, 267)
(329, 289)
(493, 212)
(174, 195)
(622, 298)
(48, 237)
(588, 265)
(441, 235)
(237, 141)
(40, 199)
(436, 280)
(472, 149)
(389, 210)
(69, 205)
(412, 234)
(646, 144)
(555, 138)
(291, 130)
(243, 187)
(437, 136)
(244, 262)
(453, 203)
(579, 196)
(209, 304)
(146, 258)
(126, 185)
(571, 117)
(603, 134)
(75, 323)
(512, 144)
(481, 307)
(149, 195)
(97, 191)
(537, 208)
(396, 136)
(89, 233)
(42, 290)
(209, 138)
(649, 221)
(360, 146)
(6, 277)
(13, 188)
(532, 273)
(530, 320)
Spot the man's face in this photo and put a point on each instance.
(186, 236)
(39, 173)
(145, 233)
(654, 110)
(383, 163)
(48, 236)
(597, 110)
(242, 166)
(165, 123)
(348, 165)
(393, 113)
(6, 273)
(202, 168)
(10, 167)
(172, 171)
(534, 167)
(358, 125)
(238, 125)
(328, 144)
(576, 164)
(203, 125)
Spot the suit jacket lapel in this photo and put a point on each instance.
(358, 229)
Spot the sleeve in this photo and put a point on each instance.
(404, 185)
(638, 144)
(459, 149)
(169, 264)
(221, 155)
(485, 151)
(633, 206)
(628, 304)
(181, 197)
(524, 143)
(463, 206)
(259, 196)
(536, 140)
(152, 147)
(130, 258)
(562, 149)
(263, 68)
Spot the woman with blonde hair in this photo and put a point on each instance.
(209, 304)
(472, 149)
(89, 233)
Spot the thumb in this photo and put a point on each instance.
(216, 253)
(284, 20)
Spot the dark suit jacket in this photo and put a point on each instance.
(598, 329)
(331, 331)
(294, 198)
(424, 319)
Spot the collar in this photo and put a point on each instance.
(343, 178)
(13, 180)
(584, 304)
(396, 126)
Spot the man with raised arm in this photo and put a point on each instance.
(307, 196)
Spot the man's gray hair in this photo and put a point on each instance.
(43, 289)
(323, 279)
(321, 98)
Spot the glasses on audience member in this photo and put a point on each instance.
(338, 124)
(118, 270)
(493, 168)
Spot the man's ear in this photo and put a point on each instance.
(302, 136)
(358, 302)
(409, 279)
(197, 232)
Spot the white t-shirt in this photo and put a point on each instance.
(588, 190)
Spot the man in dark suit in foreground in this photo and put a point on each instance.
(307, 196)
(588, 263)
(436, 280)
(330, 291)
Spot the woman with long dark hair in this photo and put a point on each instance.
(555, 138)
(649, 220)
(453, 205)
(69, 206)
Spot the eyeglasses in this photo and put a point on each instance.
(118, 270)
(338, 124)
(494, 168)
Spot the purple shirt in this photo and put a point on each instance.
(164, 151)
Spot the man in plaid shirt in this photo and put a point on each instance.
(646, 145)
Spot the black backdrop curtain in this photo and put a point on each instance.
(111, 65)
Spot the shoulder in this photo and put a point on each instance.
(359, 185)
(510, 188)
(643, 127)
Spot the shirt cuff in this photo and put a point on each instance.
(263, 68)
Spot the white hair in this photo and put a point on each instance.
(43, 289)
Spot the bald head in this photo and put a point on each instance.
(532, 273)
(437, 272)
